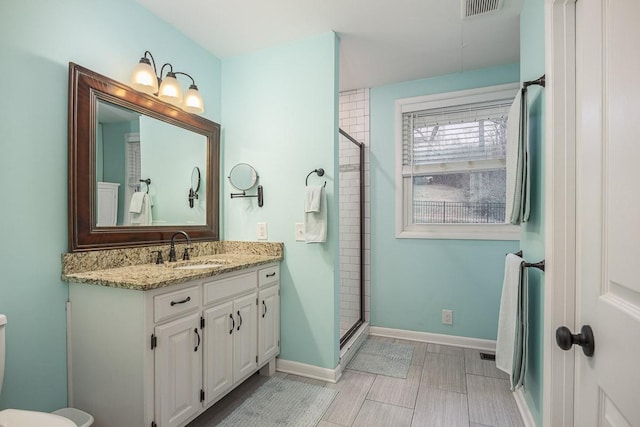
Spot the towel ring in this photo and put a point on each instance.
(148, 182)
(318, 171)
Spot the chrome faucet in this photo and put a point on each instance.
(172, 248)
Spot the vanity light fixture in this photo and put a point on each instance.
(145, 79)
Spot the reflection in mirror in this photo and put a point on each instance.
(195, 186)
(243, 176)
(128, 150)
(131, 147)
(195, 179)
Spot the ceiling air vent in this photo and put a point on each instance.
(479, 7)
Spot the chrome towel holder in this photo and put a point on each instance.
(318, 171)
(539, 265)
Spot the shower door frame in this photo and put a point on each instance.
(354, 328)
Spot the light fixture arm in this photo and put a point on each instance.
(193, 82)
(153, 61)
(162, 70)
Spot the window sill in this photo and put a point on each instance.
(461, 232)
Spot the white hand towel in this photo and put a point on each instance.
(144, 217)
(513, 157)
(518, 168)
(313, 194)
(510, 341)
(135, 206)
(315, 223)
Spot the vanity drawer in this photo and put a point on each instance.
(224, 288)
(174, 303)
(268, 276)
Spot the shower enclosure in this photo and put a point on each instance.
(351, 180)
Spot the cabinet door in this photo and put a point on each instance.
(245, 341)
(268, 324)
(218, 351)
(178, 371)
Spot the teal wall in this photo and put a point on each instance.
(38, 38)
(532, 66)
(412, 280)
(168, 156)
(280, 116)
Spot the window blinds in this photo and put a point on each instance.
(133, 163)
(459, 133)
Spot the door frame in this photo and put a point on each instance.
(560, 209)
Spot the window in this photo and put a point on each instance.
(451, 165)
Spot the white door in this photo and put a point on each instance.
(268, 324)
(245, 337)
(178, 371)
(218, 351)
(608, 211)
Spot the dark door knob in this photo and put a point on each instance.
(565, 339)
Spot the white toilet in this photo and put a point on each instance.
(20, 418)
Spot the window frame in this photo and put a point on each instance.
(404, 206)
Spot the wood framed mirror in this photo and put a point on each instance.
(167, 138)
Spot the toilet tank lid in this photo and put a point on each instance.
(3, 320)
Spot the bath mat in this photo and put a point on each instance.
(377, 357)
(280, 402)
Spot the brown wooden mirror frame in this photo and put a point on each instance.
(85, 89)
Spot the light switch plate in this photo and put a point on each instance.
(262, 231)
(299, 231)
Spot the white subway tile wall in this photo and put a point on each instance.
(354, 119)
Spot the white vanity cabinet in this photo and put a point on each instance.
(178, 370)
(163, 356)
(269, 317)
(230, 352)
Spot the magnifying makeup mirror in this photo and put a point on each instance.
(244, 177)
(195, 185)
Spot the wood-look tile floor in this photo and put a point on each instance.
(445, 386)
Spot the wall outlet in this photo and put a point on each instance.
(447, 317)
(300, 232)
(262, 231)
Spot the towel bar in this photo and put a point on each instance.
(539, 81)
(539, 265)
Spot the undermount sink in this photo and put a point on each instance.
(198, 266)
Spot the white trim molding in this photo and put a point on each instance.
(476, 231)
(326, 374)
(560, 209)
(476, 343)
(525, 413)
(309, 371)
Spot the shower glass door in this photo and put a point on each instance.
(351, 179)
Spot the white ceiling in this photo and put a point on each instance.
(381, 41)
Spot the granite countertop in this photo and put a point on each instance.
(148, 276)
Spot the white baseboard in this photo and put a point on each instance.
(309, 371)
(326, 374)
(476, 343)
(525, 413)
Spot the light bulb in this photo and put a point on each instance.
(144, 78)
(193, 102)
(170, 90)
